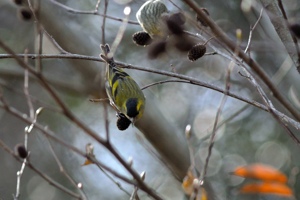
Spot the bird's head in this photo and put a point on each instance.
(134, 109)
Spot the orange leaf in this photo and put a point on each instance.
(188, 187)
(262, 172)
(267, 188)
(187, 183)
(87, 162)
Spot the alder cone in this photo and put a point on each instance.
(196, 52)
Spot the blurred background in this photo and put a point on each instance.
(248, 134)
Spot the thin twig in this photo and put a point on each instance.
(134, 195)
(27, 130)
(97, 6)
(41, 174)
(254, 65)
(103, 20)
(63, 171)
(281, 7)
(216, 121)
(175, 5)
(165, 73)
(71, 10)
(191, 149)
(270, 106)
(228, 119)
(67, 113)
(259, 89)
(251, 31)
(38, 32)
(55, 43)
(165, 81)
(120, 34)
(26, 91)
(52, 136)
(117, 183)
(106, 122)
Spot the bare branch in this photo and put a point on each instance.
(95, 12)
(251, 63)
(63, 171)
(251, 31)
(41, 174)
(278, 18)
(188, 79)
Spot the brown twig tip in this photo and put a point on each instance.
(21, 151)
(106, 55)
(175, 26)
(123, 122)
(105, 48)
(196, 52)
(141, 38)
(25, 14)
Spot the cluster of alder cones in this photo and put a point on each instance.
(181, 41)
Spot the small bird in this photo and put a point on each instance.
(123, 92)
(150, 17)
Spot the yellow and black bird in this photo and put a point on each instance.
(150, 17)
(123, 92)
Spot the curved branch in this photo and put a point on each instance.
(250, 62)
(186, 79)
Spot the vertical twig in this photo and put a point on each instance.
(63, 171)
(120, 34)
(218, 114)
(41, 174)
(117, 183)
(220, 108)
(106, 122)
(251, 32)
(39, 33)
(27, 129)
(103, 20)
(97, 6)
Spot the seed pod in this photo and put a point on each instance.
(123, 122)
(18, 2)
(21, 151)
(178, 17)
(196, 52)
(157, 48)
(295, 29)
(25, 13)
(141, 38)
(174, 26)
